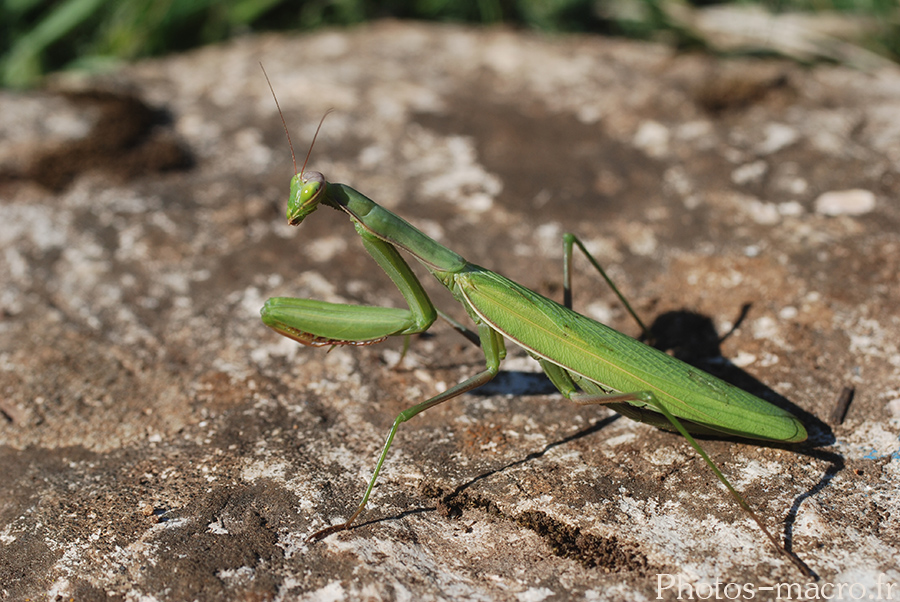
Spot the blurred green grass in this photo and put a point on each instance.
(41, 36)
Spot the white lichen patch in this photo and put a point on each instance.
(325, 249)
(777, 137)
(640, 239)
(264, 469)
(766, 328)
(665, 456)
(870, 441)
(449, 170)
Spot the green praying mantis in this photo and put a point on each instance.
(588, 362)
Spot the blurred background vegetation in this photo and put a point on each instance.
(40, 36)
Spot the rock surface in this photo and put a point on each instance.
(159, 443)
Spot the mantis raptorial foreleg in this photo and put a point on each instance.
(320, 323)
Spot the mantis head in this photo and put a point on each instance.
(307, 189)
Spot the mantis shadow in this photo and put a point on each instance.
(515, 382)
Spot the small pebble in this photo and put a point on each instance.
(845, 202)
(788, 313)
(653, 138)
(750, 173)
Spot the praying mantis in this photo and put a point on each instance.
(588, 362)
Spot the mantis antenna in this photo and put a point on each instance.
(287, 132)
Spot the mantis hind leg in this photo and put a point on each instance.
(570, 241)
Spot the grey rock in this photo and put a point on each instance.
(159, 443)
